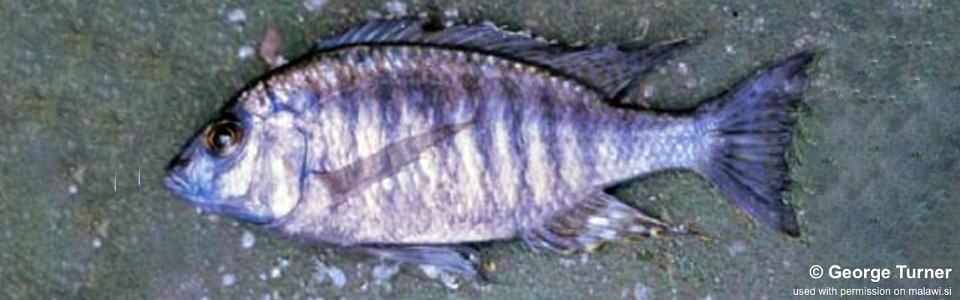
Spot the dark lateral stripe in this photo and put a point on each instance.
(551, 141)
(511, 91)
(350, 110)
(435, 97)
(418, 108)
(483, 138)
(434, 94)
(420, 101)
(512, 118)
(389, 110)
(388, 113)
(518, 144)
(586, 128)
(627, 137)
(470, 84)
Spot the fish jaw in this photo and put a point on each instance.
(179, 186)
(182, 189)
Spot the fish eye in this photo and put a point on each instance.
(221, 137)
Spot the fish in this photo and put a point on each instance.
(412, 143)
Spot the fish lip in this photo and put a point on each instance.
(177, 184)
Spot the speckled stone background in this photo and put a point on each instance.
(96, 96)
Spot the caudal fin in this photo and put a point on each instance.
(750, 128)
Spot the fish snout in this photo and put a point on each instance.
(175, 177)
(177, 163)
(173, 182)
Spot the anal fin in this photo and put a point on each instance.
(597, 219)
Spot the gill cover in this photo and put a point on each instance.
(242, 166)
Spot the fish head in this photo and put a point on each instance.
(247, 167)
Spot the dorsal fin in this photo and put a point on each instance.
(607, 69)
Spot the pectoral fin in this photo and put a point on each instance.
(597, 219)
(387, 161)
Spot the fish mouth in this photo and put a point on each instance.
(179, 186)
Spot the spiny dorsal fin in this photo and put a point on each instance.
(607, 69)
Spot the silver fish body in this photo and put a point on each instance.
(390, 135)
(473, 147)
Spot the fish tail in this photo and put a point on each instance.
(750, 131)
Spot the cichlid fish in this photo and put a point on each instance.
(409, 142)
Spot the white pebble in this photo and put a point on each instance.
(279, 61)
(372, 15)
(451, 13)
(236, 16)
(736, 248)
(314, 5)
(229, 279)
(275, 272)
(815, 15)
(396, 7)
(449, 281)
(337, 277)
(433, 272)
(641, 292)
(72, 188)
(247, 240)
(384, 272)
(96, 243)
(450, 16)
(246, 52)
(648, 90)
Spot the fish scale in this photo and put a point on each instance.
(407, 142)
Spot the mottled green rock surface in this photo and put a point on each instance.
(98, 95)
